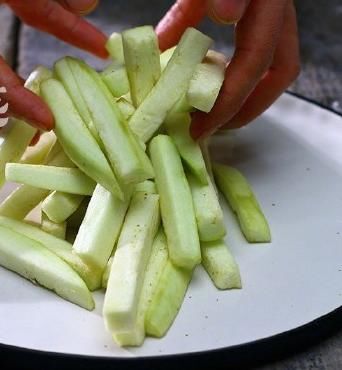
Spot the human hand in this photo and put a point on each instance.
(62, 19)
(265, 62)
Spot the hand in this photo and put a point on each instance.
(265, 62)
(62, 19)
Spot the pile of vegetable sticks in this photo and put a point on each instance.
(128, 199)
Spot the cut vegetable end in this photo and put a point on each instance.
(252, 221)
(60, 206)
(142, 61)
(115, 48)
(243, 202)
(220, 265)
(206, 82)
(38, 153)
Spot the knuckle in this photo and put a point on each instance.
(262, 57)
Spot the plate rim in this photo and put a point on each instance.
(279, 344)
(260, 351)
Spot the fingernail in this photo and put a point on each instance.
(227, 12)
(82, 6)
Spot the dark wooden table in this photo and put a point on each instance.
(320, 26)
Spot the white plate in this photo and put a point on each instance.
(292, 156)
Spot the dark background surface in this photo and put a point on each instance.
(320, 27)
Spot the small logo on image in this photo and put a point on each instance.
(3, 108)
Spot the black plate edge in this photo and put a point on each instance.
(314, 102)
(242, 356)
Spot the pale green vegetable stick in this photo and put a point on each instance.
(22, 201)
(18, 134)
(147, 187)
(139, 146)
(65, 75)
(176, 203)
(172, 84)
(129, 263)
(37, 154)
(126, 155)
(100, 228)
(243, 202)
(24, 198)
(76, 139)
(56, 229)
(60, 206)
(115, 48)
(206, 82)
(208, 212)
(182, 106)
(65, 179)
(14, 139)
(155, 267)
(126, 108)
(220, 265)
(154, 270)
(178, 127)
(57, 246)
(165, 57)
(141, 53)
(115, 77)
(33, 261)
(167, 299)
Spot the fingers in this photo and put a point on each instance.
(51, 17)
(227, 11)
(183, 14)
(22, 102)
(81, 7)
(256, 36)
(283, 71)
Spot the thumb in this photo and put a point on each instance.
(227, 11)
